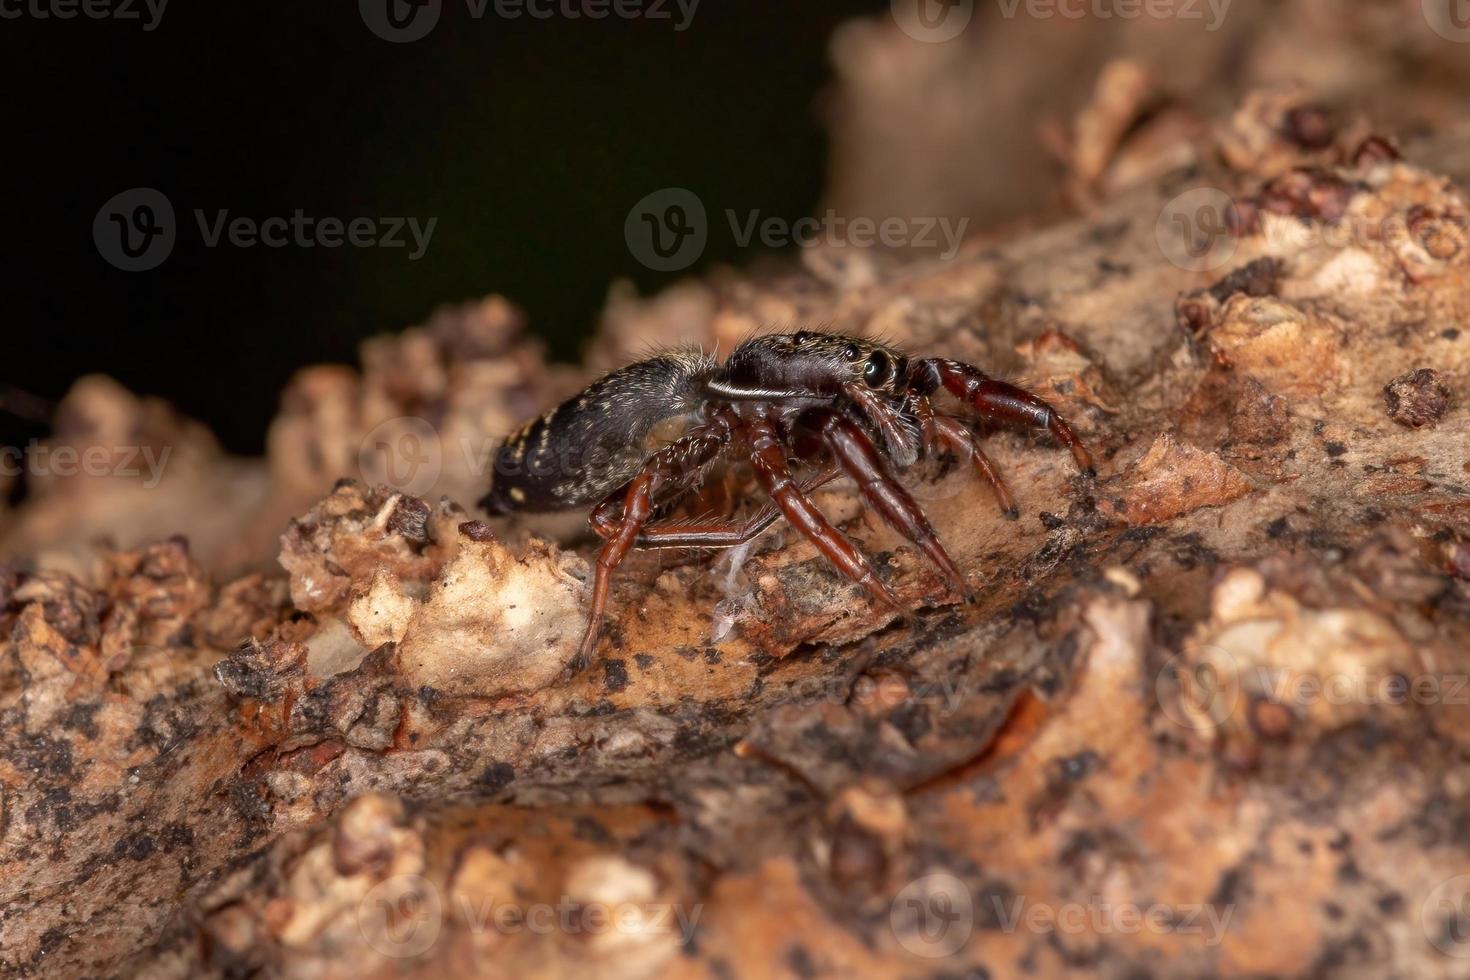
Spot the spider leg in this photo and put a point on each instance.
(856, 454)
(605, 518)
(954, 433)
(1007, 403)
(768, 459)
(671, 464)
(944, 431)
(636, 508)
(721, 533)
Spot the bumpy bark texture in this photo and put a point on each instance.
(1207, 714)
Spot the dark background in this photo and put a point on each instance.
(529, 140)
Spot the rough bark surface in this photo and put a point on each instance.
(1207, 714)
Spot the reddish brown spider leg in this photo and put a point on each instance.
(669, 464)
(855, 452)
(960, 440)
(604, 519)
(945, 432)
(768, 459)
(1008, 403)
(636, 508)
(721, 533)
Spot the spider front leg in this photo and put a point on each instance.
(768, 459)
(856, 454)
(1006, 403)
(675, 462)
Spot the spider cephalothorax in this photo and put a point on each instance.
(802, 409)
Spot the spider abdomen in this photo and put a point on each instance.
(594, 442)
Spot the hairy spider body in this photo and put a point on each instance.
(591, 444)
(644, 437)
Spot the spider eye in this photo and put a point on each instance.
(877, 371)
(851, 352)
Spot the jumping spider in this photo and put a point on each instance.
(644, 437)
